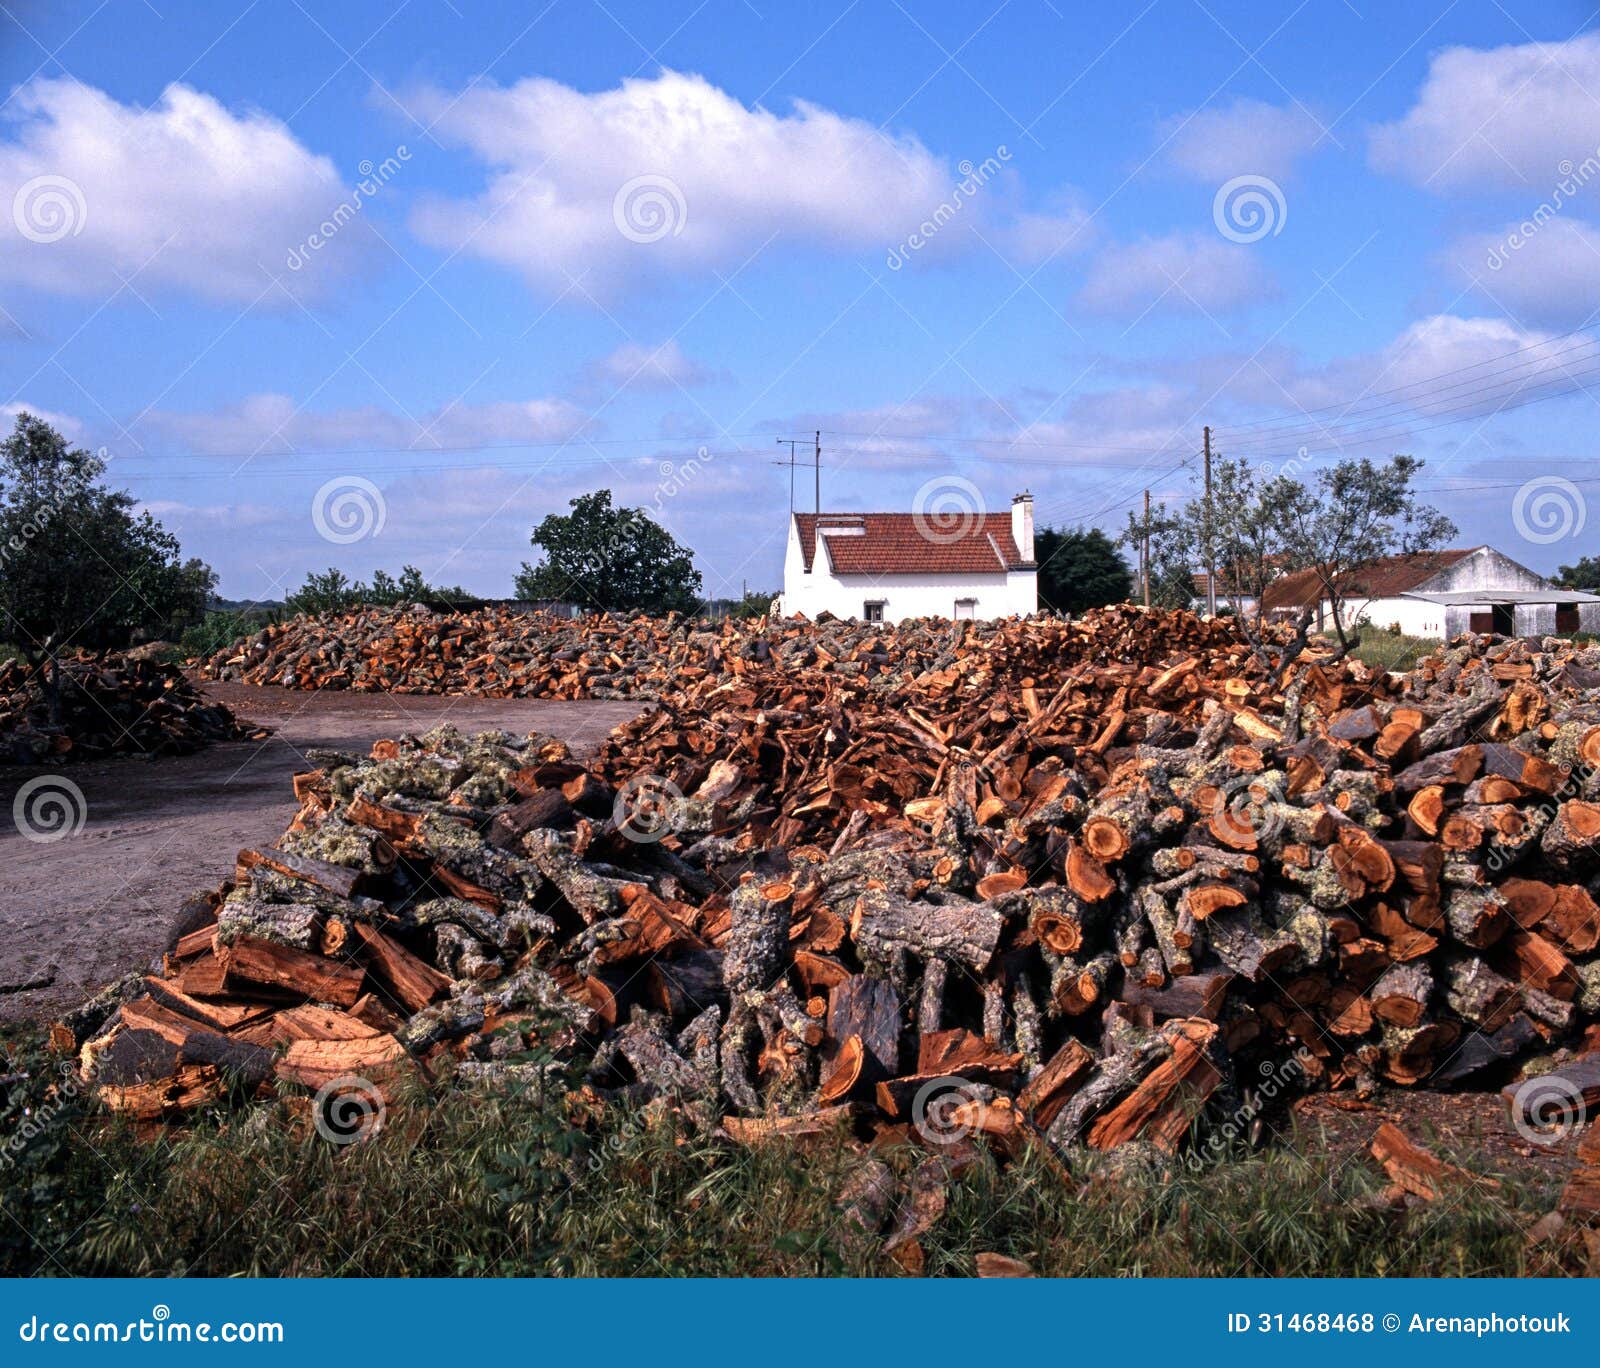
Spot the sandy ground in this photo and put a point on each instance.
(85, 909)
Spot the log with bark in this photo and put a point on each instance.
(1081, 877)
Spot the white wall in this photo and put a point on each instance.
(1416, 617)
(998, 595)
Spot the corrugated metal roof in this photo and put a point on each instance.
(1449, 598)
(1387, 577)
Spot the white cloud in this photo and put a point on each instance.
(1147, 427)
(636, 366)
(1245, 138)
(184, 195)
(1448, 366)
(1032, 238)
(68, 426)
(1178, 273)
(1505, 117)
(183, 518)
(1439, 368)
(1549, 275)
(671, 175)
(270, 423)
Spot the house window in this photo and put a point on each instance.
(872, 610)
(966, 608)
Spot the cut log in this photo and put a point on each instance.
(1048, 1090)
(411, 980)
(1164, 1104)
(1403, 993)
(332, 878)
(866, 1010)
(1196, 995)
(252, 964)
(1414, 1169)
(758, 944)
(883, 923)
(1572, 840)
(378, 1059)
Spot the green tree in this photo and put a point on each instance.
(333, 590)
(1171, 559)
(1079, 568)
(1259, 526)
(617, 559)
(324, 593)
(79, 569)
(1356, 512)
(1584, 575)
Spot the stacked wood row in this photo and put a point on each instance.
(499, 652)
(491, 652)
(116, 705)
(1071, 883)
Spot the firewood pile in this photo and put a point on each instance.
(119, 705)
(500, 653)
(1070, 884)
(490, 652)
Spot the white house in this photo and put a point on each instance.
(882, 567)
(1442, 594)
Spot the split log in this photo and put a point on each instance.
(867, 1011)
(1414, 1169)
(253, 964)
(413, 982)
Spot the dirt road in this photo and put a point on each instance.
(84, 909)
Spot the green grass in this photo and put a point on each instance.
(1392, 651)
(477, 1184)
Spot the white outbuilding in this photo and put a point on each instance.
(1441, 594)
(883, 567)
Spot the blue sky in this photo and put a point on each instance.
(575, 244)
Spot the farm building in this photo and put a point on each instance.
(1444, 593)
(883, 567)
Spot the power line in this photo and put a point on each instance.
(1463, 413)
(1164, 450)
(1431, 406)
(1429, 380)
(584, 461)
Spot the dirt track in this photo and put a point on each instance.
(84, 909)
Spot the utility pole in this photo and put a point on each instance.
(790, 442)
(818, 450)
(1211, 536)
(1144, 549)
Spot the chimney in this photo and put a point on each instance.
(1022, 524)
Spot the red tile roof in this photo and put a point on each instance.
(906, 544)
(1382, 578)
